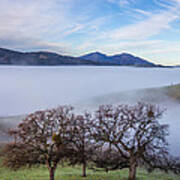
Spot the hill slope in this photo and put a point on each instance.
(9, 57)
(120, 59)
(161, 95)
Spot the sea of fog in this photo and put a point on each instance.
(26, 89)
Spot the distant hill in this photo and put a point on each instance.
(119, 59)
(42, 58)
(9, 57)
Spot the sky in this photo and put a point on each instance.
(146, 28)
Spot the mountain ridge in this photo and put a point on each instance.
(11, 57)
(119, 59)
(45, 58)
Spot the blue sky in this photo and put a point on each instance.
(146, 28)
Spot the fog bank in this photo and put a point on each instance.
(26, 89)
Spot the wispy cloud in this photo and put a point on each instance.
(140, 11)
(120, 2)
(43, 23)
(77, 26)
(31, 24)
(30, 44)
(154, 25)
(123, 2)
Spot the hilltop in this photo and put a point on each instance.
(118, 59)
(43, 58)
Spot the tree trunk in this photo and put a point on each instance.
(84, 170)
(51, 173)
(132, 169)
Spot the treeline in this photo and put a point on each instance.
(112, 137)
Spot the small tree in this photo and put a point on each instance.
(135, 132)
(41, 138)
(83, 145)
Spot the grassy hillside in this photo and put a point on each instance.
(173, 92)
(158, 95)
(74, 173)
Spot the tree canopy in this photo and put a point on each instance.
(135, 132)
(41, 138)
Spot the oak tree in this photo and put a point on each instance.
(41, 138)
(83, 144)
(135, 132)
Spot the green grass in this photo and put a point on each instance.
(74, 173)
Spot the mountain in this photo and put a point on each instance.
(9, 57)
(97, 57)
(124, 59)
(178, 66)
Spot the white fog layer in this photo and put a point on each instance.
(26, 89)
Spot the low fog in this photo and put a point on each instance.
(26, 89)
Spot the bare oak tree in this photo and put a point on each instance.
(83, 145)
(41, 138)
(135, 132)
